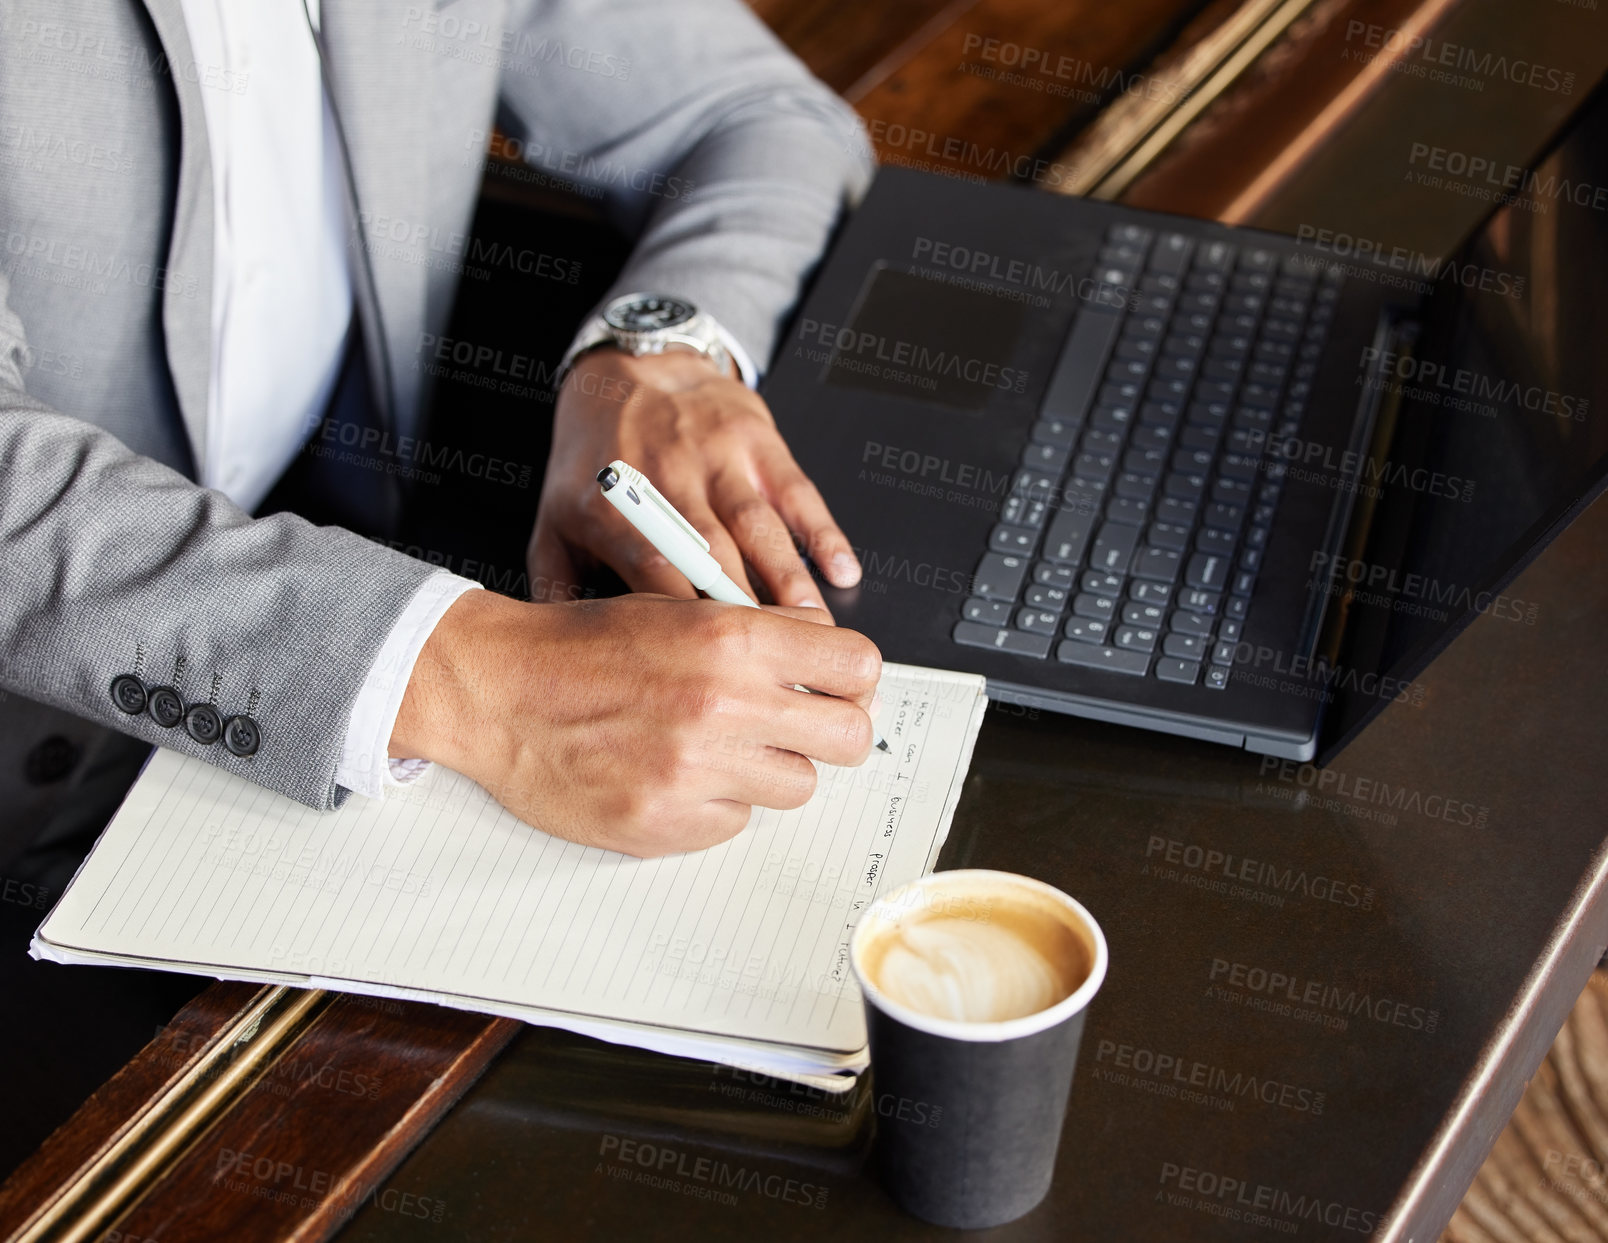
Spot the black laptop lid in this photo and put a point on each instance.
(1500, 432)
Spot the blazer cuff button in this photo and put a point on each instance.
(167, 709)
(128, 693)
(203, 723)
(241, 736)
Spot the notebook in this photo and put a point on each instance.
(735, 954)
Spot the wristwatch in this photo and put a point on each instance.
(648, 323)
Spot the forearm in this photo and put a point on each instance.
(719, 150)
(770, 186)
(445, 707)
(366, 764)
(112, 564)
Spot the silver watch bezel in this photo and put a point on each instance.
(697, 332)
(616, 304)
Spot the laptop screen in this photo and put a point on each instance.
(1494, 428)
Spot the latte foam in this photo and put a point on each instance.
(970, 971)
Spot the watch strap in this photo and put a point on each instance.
(700, 334)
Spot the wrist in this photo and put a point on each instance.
(609, 370)
(444, 712)
(644, 324)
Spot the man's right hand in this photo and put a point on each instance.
(642, 724)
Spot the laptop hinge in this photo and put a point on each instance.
(1324, 622)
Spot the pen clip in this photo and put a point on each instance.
(669, 510)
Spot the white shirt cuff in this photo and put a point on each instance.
(365, 765)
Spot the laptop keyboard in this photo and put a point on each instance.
(1136, 524)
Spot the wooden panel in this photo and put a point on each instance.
(314, 1138)
(1267, 109)
(1361, 176)
(1319, 132)
(843, 43)
(304, 1146)
(112, 1109)
(993, 92)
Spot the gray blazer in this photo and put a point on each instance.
(707, 138)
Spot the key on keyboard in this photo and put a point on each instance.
(1143, 503)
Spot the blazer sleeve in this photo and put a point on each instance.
(112, 564)
(710, 141)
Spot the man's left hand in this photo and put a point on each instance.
(711, 446)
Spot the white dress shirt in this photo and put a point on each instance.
(282, 284)
(282, 306)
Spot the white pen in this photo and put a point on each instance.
(629, 491)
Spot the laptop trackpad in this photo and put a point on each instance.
(933, 341)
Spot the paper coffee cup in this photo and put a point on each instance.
(975, 984)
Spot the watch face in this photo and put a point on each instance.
(650, 313)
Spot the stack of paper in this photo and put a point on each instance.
(736, 954)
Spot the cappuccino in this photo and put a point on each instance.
(974, 950)
(976, 985)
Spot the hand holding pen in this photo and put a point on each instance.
(676, 539)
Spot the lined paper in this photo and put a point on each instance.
(436, 890)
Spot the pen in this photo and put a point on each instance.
(629, 491)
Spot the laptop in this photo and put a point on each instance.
(1206, 480)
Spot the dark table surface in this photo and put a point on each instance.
(1329, 1040)
(1322, 1045)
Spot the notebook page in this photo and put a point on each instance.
(437, 888)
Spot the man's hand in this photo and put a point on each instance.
(641, 724)
(711, 446)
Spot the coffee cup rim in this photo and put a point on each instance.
(1003, 1029)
